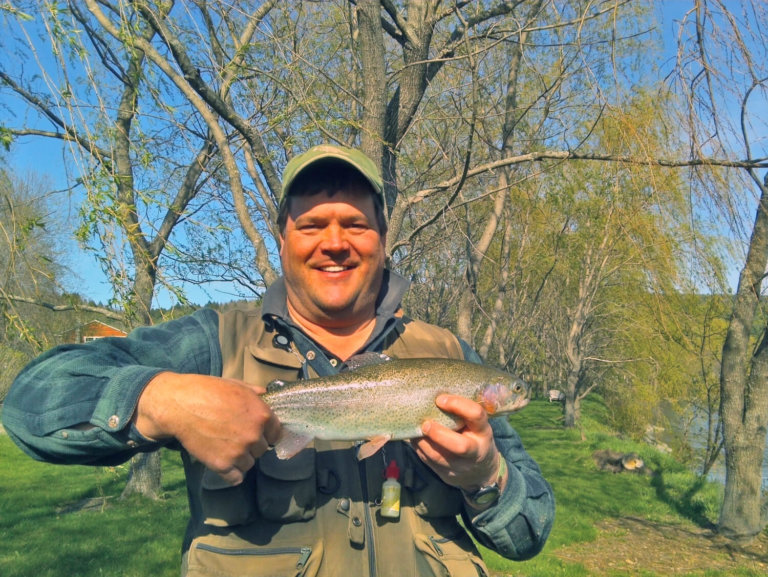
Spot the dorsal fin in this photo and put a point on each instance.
(365, 360)
(275, 385)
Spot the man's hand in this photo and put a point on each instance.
(222, 422)
(467, 458)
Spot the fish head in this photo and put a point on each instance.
(505, 395)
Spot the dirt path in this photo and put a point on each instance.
(633, 545)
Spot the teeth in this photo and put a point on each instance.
(337, 268)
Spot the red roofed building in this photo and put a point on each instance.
(92, 331)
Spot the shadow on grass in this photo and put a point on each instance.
(683, 499)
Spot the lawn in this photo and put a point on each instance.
(41, 534)
(607, 524)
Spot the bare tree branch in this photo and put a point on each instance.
(109, 313)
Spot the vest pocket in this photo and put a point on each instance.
(225, 505)
(286, 490)
(442, 557)
(206, 560)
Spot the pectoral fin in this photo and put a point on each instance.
(489, 406)
(372, 446)
(290, 444)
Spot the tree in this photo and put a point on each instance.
(110, 136)
(32, 270)
(723, 80)
(26, 267)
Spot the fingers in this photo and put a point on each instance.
(460, 457)
(474, 416)
(436, 457)
(461, 442)
(440, 445)
(223, 423)
(235, 474)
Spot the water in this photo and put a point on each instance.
(697, 434)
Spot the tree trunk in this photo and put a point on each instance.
(499, 304)
(374, 89)
(572, 404)
(144, 477)
(744, 395)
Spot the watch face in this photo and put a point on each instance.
(486, 495)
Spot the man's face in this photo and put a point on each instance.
(332, 254)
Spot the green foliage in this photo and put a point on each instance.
(6, 138)
(30, 268)
(14, 11)
(11, 362)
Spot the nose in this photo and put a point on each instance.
(335, 238)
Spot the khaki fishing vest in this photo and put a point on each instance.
(317, 514)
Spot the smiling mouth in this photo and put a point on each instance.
(335, 268)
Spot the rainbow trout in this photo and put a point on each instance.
(387, 400)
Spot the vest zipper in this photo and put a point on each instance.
(436, 542)
(305, 553)
(368, 520)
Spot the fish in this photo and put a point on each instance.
(383, 400)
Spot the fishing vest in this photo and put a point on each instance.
(318, 513)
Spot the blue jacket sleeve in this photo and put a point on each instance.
(74, 403)
(518, 525)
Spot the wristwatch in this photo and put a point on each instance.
(487, 494)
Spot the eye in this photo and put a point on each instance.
(308, 226)
(358, 227)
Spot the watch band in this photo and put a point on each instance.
(488, 494)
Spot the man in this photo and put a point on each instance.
(195, 383)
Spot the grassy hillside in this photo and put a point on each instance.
(622, 524)
(607, 524)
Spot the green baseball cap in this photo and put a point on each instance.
(325, 152)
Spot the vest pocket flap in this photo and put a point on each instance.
(224, 504)
(214, 482)
(286, 489)
(441, 556)
(297, 468)
(285, 359)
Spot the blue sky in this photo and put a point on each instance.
(46, 158)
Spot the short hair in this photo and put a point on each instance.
(329, 177)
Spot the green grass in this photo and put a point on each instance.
(585, 495)
(130, 538)
(139, 538)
